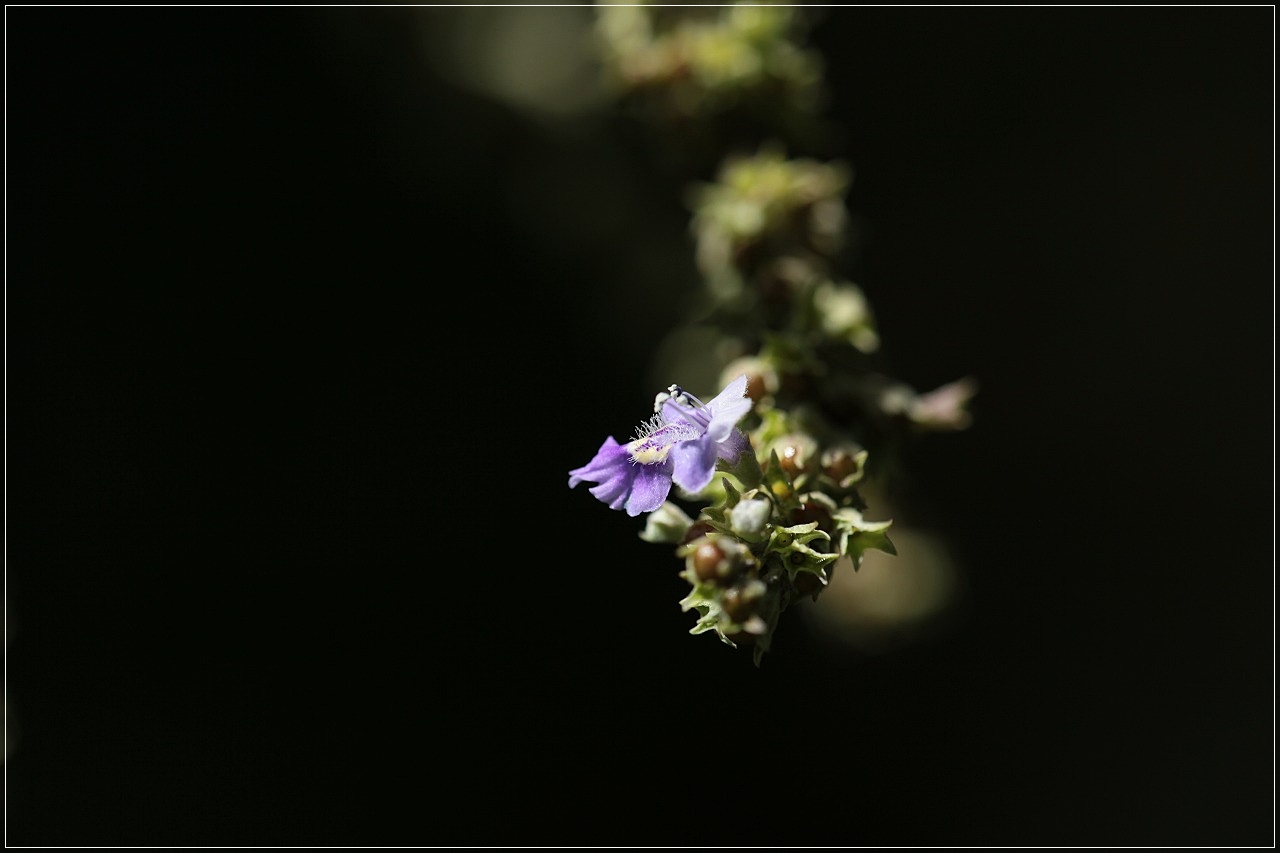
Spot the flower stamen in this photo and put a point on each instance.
(655, 438)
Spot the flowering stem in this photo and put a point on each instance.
(803, 405)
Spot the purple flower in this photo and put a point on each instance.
(680, 443)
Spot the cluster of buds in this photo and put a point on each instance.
(769, 232)
(694, 62)
(772, 533)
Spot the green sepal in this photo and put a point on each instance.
(706, 623)
(702, 598)
(731, 495)
(847, 482)
(785, 540)
(746, 469)
(816, 562)
(855, 535)
(777, 482)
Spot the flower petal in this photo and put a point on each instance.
(607, 459)
(734, 446)
(694, 463)
(623, 483)
(614, 492)
(728, 407)
(649, 489)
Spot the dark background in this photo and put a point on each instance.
(302, 340)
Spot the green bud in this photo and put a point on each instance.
(668, 524)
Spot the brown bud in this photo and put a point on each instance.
(791, 461)
(762, 378)
(796, 453)
(839, 463)
(811, 511)
(737, 606)
(707, 560)
(696, 531)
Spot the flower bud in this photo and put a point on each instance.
(715, 558)
(706, 561)
(810, 510)
(845, 315)
(696, 531)
(749, 518)
(844, 463)
(741, 602)
(668, 523)
(796, 452)
(762, 378)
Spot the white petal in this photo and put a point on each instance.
(729, 407)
